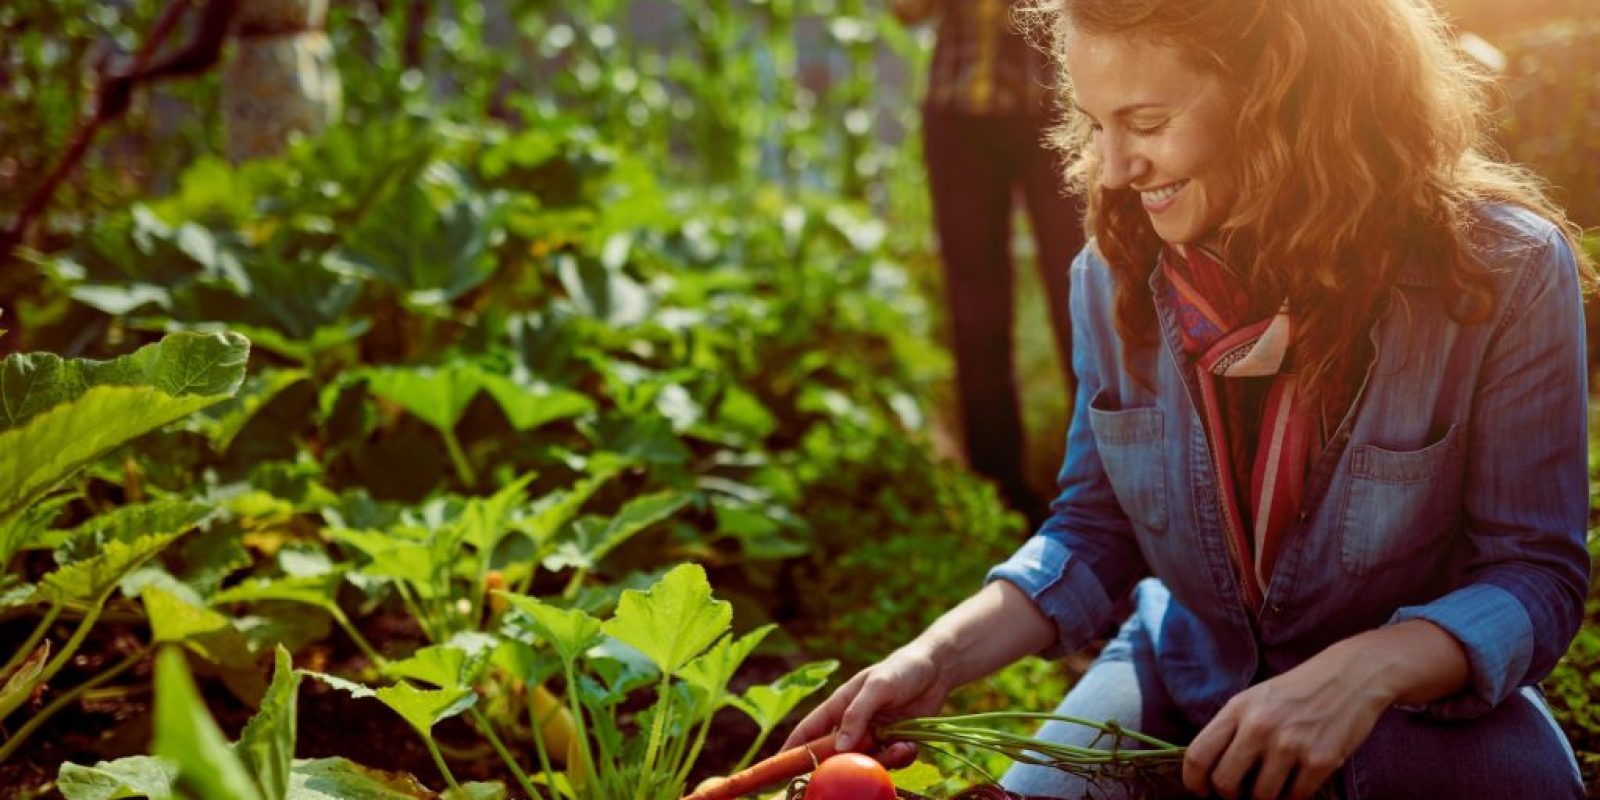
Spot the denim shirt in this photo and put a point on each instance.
(1455, 490)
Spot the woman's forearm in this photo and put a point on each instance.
(986, 632)
(1412, 663)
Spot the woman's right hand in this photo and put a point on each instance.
(906, 684)
(985, 632)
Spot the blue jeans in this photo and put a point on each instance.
(1514, 751)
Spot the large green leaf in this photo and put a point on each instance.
(453, 665)
(267, 742)
(487, 520)
(85, 581)
(674, 621)
(420, 708)
(205, 633)
(432, 250)
(425, 708)
(710, 673)
(528, 406)
(438, 396)
(315, 590)
(594, 538)
(129, 522)
(770, 703)
(342, 779)
(186, 734)
(131, 777)
(58, 415)
(308, 779)
(476, 790)
(28, 528)
(553, 511)
(569, 630)
(395, 558)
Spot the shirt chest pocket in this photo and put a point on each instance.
(1398, 503)
(1130, 445)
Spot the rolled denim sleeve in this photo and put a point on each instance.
(1084, 558)
(1526, 494)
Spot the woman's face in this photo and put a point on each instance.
(1161, 128)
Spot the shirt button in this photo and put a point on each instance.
(1276, 608)
(1304, 516)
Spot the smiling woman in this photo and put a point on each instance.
(1331, 397)
(1159, 127)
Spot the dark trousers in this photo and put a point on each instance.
(975, 163)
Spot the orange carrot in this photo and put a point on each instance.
(785, 766)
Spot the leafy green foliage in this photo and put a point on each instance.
(1553, 87)
(266, 744)
(675, 634)
(62, 414)
(672, 622)
(194, 762)
(134, 776)
(186, 734)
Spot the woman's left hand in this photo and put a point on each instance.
(1295, 730)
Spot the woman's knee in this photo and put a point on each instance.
(1516, 750)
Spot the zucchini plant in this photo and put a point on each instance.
(58, 416)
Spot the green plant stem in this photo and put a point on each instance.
(349, 628)
(755, 747)
(67, 698)
(27, 647)
(579, 575)
(686, 760)
(67, 651)
(415, 609)
(960, 720)
(657, 726)
(499, 747)
(459, 456)
(581, 730)
(438, 759)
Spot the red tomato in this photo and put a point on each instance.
(850, 776)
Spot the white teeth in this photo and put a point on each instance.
(1161, 195)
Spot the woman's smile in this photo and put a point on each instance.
(1160, 199)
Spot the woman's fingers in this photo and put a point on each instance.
(1273, 777)
(1313, 773)
(875, 693)
(824, 718)
(898, 755)
(1233, 767)
(1202, 755)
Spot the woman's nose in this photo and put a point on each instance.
(1119, 166)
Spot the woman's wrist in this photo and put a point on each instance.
(1412, 663)
(986, 632)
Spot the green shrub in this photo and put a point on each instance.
(1553, 86)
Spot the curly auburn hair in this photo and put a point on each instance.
(1362, 142)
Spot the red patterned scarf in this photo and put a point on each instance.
(1262, 437)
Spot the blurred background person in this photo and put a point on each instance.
(988, 105)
